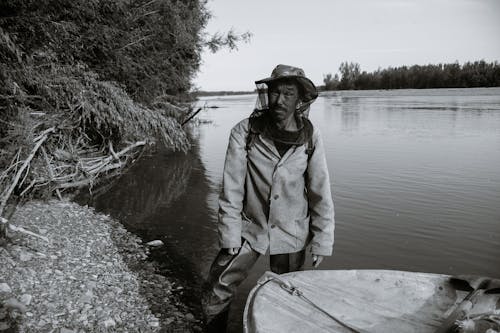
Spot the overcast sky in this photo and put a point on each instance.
(318, 35)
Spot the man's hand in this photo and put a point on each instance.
(317, 259)
(233, 250)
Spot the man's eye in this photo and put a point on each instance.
(274, 93)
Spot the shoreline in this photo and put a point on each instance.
(91, 276)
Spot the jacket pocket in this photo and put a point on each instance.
(245, 218)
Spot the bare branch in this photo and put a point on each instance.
(27, 161)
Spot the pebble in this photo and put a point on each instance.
(5, 288)
(87, 297)
(24, 256)
(26, 299)
(93, 295)
(109, 323)
(154, 323)
(155, 243)
(66, 330)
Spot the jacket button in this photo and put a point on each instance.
(273, 226)
(276, 196)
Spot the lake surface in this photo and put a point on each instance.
(415, 179)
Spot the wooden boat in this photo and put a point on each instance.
(358, 301)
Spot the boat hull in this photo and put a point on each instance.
(366, 300)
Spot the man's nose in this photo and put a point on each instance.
(281, 99)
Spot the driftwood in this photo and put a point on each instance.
(10, 227)
(191, 116)
(94, 166)
(51, 172)
(38, 143)
(69, 172)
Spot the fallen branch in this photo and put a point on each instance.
(51, 172)
(108, 167)
(191, 117)
(28, 188)
(3, 227)
(43, 135)
(26, 163)
(77, 183)
(14, 228)
(113, 151)
(13, 164)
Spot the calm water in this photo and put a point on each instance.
(415, 179)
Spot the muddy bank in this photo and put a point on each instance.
(90, 276)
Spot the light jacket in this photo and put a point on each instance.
(278, 203)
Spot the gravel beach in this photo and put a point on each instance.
(89, 275)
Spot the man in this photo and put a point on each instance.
(276, 191)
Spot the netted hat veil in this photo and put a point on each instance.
(308, 91)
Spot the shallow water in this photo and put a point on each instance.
(415, 179)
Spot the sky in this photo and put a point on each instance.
(317, 35)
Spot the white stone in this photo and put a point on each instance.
(155, 243)
(5, 288)
(26, 299)
(109, 323)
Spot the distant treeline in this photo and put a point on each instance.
(221, 93)
(454, 75)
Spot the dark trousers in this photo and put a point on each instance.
(228, 272)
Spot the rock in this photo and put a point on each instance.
(14, 304)
(26, 299)
(190, 317)
(155, 243)
(5, 288)
(25, 256)
(66, 330)
(109, 323)
(154, 323)
(87, 297)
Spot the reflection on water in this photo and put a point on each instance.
(350, 120)
(415, 178)
(153, 184)
(164, 196)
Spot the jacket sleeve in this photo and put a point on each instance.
(233, 188)
(321, 210)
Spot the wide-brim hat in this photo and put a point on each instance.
(281, 72)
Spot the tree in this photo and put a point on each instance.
(331, 83)
(349, 72)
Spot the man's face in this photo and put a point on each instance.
(283, 100)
